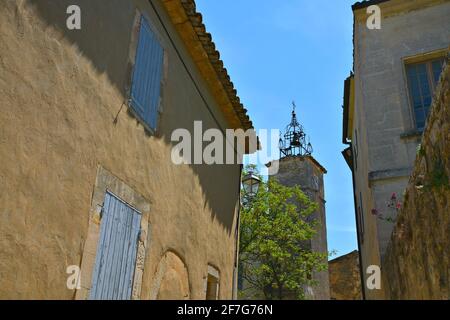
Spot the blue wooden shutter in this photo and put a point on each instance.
(146, 82)
(116, 253)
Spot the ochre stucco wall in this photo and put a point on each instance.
(60, 92)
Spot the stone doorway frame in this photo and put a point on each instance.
(106, 181)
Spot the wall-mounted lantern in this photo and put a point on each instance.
(251, 184)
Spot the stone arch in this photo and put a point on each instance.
(172, 279)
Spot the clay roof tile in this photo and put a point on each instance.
(205, 38)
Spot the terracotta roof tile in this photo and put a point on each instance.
(205, 38)
(365, 4)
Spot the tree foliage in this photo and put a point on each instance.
(275, 229)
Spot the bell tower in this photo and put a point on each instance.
(297, 167)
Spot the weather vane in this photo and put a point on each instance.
(294, 142)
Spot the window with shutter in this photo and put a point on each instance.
(147, 74)
(422, 81)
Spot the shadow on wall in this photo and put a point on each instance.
(104, 39)
(102, 36)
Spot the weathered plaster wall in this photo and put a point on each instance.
(383, 117)
(172, 279)
(416, 265)
(60, 92)
(345, 279)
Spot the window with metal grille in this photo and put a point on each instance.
(422, 81)
(147, 73)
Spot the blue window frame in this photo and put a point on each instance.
(422, 81)
(147, 73)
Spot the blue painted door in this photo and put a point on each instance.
(116, 252)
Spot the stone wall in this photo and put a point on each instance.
(345, 278)
(416, 265)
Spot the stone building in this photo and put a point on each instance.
(386, 101)
(297, 167)
(86, 175)
(345, 280)
(417, 259)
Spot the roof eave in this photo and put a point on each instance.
(365, 4)
(189, 24)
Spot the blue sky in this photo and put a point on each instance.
(280, 51)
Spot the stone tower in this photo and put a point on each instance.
(297, 167)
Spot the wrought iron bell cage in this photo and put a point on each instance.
(294, 142)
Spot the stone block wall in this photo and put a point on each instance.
(345, 279)
(416, 264)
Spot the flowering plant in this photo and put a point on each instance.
(393, 204)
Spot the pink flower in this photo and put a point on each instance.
(398, 206)
(394, 196)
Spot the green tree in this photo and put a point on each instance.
(276, 225)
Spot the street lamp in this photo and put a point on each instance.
(251, 184)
